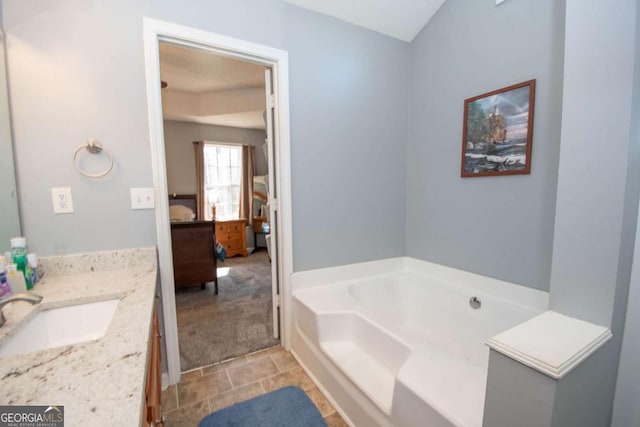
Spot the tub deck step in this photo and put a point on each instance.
(454, 388)
(375, 380)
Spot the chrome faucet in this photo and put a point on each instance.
(32, 298)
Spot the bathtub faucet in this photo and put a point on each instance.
(32, 298)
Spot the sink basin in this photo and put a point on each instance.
(61, 326)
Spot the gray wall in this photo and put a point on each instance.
(179, 153)
(626, 410)
(516, 394)
(590, 218)
(349, 136)
(76, 70)
(350, 203)
(583, 398)
(495, 226)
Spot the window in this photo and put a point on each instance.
(222, 174)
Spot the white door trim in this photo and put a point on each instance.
(154, 32)
(272, 202)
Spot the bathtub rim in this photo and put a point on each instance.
(521, 296)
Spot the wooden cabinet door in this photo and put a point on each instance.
(153, 386)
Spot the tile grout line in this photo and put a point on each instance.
(270, 350)
(177, 400)
(190, 404)
(260, 378)
(275, 363)
(226, 370)
(234, 386)
(269, 376)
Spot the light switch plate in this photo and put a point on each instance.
(62, 200)
(142, 198)
(498, 2)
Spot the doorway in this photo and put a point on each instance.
(279, 200)
(218, 174)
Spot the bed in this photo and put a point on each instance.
(192, 244)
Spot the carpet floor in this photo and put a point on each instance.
(237, 321)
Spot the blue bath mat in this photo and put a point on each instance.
(286, 407)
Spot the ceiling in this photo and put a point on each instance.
(207, 88)
(195, 70)
(401, 19)
(195, 77)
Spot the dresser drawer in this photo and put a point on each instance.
(224, 236)
(236, 227)
(230, 227)
(233, 244)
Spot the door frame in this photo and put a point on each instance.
(155, 31)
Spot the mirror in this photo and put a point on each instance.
(260, 195)
(10, 223)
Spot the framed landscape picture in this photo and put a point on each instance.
(498, 130)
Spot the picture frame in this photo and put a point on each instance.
(498, 132)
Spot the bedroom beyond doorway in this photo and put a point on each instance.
(216, 119)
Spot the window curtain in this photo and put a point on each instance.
(246, 183)
(200, 202)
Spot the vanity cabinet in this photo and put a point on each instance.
(152, 411)
(233, 236)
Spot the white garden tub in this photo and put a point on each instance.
(397, 342)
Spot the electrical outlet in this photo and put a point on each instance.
(142, 198)
(62, 200)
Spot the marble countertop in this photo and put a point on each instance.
(100, 383)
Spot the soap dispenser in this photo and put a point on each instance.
(16, 279)
(19, 252)
(5, 289)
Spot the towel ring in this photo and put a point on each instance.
(93, 146)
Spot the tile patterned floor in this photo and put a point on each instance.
(208, 389)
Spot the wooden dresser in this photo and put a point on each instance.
(194, 257)
(232, 235)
